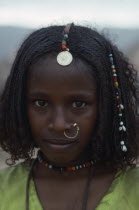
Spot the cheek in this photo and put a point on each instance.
(87, 124)
(36, 122)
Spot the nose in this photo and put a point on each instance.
(58, 121)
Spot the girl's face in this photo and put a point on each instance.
(58, 97)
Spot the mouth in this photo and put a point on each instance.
(59, 143)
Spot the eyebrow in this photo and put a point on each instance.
(83, 94)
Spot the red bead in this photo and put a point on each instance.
(64, 47)
(115, 79)
(88, 164)
(43, 163)
(69, 169)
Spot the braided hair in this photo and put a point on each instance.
(94, 48)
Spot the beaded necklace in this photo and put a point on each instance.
(57, 168)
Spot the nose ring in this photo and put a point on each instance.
(77, 131)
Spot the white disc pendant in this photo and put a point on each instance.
(64, 58)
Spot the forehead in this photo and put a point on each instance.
(47, 74)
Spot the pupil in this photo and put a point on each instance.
(79, 104)
(41, 103)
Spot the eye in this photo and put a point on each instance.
(41, 103)
(79, 104)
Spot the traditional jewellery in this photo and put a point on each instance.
(64, 58)
(77, 131)
(61, 169)
(120, 106)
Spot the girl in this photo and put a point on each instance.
(72, 95)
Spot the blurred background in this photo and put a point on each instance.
(119, 20)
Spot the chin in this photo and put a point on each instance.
(61, 159)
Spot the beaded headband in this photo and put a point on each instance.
(64, 58)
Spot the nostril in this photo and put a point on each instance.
(59, 126)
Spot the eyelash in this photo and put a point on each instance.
(83, 102)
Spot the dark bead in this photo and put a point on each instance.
(111, 60)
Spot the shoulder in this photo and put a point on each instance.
(13, 185)
(129, 184)
(12, 177)
(124, 191)
(13, 173)
(131, 176)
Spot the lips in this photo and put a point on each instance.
(59, 145)
(59, 141)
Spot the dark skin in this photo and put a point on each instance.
(58, 97)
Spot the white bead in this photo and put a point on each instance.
(121, 123)
(84, 165)
(66, 35)
(122, 107)
(120, 128)
(80, 166)
(77, 167)
(122, 142)
(124, 128)
(113, 66)
(124, 149)
(115, 75)
(50, 166)
(120, 114)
